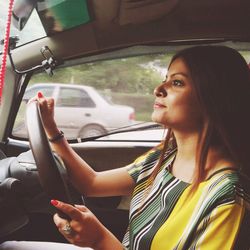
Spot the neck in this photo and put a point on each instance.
(187, 145)
(185, 161)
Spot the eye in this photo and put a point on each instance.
(177, 83)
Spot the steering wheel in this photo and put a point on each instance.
(51, 170)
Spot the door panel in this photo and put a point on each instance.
(104, 156)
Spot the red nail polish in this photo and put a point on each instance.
(39, 94)
(54, 202)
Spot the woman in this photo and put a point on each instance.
(184, 189)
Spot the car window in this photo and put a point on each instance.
(74, 98)
(102, 97)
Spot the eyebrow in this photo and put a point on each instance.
(179, 73)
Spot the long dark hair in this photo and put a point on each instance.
(221, 79)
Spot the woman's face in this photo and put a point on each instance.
(176, 104)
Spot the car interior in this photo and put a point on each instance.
(79, 42)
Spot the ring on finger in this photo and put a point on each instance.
(67, 229)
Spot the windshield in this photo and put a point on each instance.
(93, 99)
(101, 97)
(32, 31)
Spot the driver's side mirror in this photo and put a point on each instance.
(21, 12)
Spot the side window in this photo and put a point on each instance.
(74, 98)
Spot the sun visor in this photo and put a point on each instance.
(60, 15)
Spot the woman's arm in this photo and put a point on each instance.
(89, 182)
(83, 177)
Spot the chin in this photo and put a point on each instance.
(157, 119)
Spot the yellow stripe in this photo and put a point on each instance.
(222, 229)
(177, 221)
(225, 221)
(140, 187)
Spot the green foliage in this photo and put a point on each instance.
(130, 75)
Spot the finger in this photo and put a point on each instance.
(64, 227)
(60, 222)
(50, 102)
(82, 208)
(46, 103)
(42, 101)
(78, 241)
(41, 98)
(40, 95)
(68, 209)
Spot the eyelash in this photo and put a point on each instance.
(177, 83)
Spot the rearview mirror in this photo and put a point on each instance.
(21, 12)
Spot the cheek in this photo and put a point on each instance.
(181, 110)
(185, 108)
(192, 110)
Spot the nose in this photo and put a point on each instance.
(160, 91)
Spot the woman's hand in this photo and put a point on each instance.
(84, 229)
(47, 112)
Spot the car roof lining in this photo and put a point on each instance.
(115, 27)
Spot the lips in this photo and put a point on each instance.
(158, 105)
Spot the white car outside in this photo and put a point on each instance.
(80, 111)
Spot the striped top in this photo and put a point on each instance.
(169, 218)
